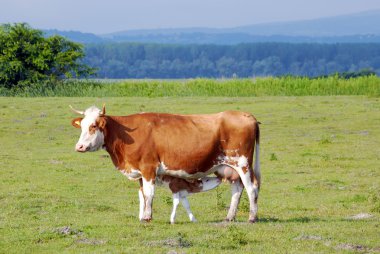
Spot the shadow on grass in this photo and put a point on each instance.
(296, 219)
(276, 220)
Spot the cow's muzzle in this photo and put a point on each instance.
(81, 148)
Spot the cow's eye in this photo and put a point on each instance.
(92, 128)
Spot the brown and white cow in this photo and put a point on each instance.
(146, 145)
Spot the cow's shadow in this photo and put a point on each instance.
(303, 219)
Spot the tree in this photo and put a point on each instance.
(27, 57)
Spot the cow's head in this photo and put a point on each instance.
(92, 125)
(209, 183)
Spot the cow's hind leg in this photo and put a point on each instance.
(252, 191)
(236, 190)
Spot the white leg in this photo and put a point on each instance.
(148, 189)
(236, 190)
(186, 205)
(252, 191)
(142, 204)
(175, 205)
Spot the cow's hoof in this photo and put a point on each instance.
(146, 220)
(254, 220)
(229, 220)
(192, 219)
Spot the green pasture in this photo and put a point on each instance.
(320, 162)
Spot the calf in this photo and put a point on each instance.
(181, 189)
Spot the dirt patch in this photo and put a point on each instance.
(91, 241)
(55, 162)
(178, 242)
(349, 246)
(171, 242)
(363, 133)
(342, 246)
(67, 230)
(174, 252)
(356, 247)
(361, 216)
(78, 235)
(309, 237)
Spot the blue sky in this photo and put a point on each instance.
(106, 16)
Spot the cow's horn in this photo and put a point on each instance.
(103, 112)
(76, 111)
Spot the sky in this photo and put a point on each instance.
(107, 16)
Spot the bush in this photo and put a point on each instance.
(26, 57)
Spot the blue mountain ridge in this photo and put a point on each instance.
(362, 27)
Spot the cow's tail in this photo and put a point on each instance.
(256, 168)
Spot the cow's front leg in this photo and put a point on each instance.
(148, 191)
(142, 201)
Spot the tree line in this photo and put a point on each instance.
(138, 60)
(28, 57)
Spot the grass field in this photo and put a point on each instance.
(320, 167)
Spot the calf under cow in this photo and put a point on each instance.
(150, 147)
(181, 188)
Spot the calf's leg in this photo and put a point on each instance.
(175, 205)
(186, 205)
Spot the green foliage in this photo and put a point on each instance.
(352, 74)
(325, 140)
(375, 200)
(234, 238)
(27, 58)
(220, 204)
(288, 86)
(273, 157)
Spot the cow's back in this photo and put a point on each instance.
(191, 143)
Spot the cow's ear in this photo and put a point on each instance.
(101, 122)
(76, 122)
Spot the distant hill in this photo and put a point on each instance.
(237, 38)
(76, 36)
(362, 23)
(360, 27)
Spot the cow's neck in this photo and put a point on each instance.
(115, 141)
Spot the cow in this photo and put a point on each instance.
(146, 145)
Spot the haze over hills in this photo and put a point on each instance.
(361, 23)
(76, 36)
(360, 27)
